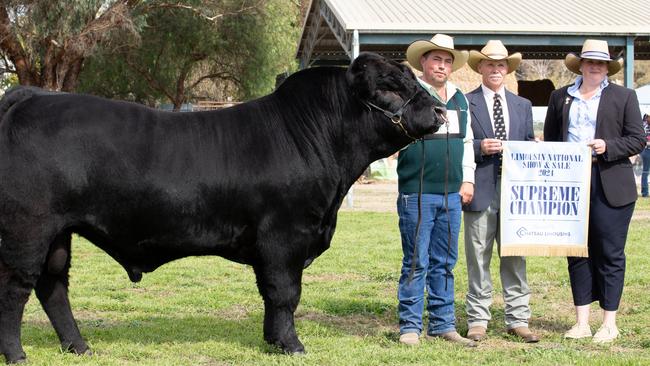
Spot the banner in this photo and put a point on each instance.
(545, 198)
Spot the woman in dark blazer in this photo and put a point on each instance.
(606, 117)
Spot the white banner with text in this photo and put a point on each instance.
(545, 198)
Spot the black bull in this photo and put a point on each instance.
(259, 183)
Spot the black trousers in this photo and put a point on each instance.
(600, 277)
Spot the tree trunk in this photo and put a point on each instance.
(60, 72)
(179, 98)
(48, 66)
(27, 74)
(71, 79)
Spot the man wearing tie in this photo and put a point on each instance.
(497, 115)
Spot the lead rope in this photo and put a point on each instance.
(447, 270)
(448, 273)
(414, 257)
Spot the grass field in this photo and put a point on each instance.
(206, 311)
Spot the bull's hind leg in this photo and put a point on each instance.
(279, 284)
(14, 292)
(52, 292)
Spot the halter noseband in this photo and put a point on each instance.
(396, 117)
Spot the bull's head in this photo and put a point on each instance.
(391, 88)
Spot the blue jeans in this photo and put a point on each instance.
(434, 264)
(645, 156)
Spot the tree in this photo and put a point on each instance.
(641, 73)
(46, 42)
(148, 50)
(185, 55)
(553, 70)
(271, 42)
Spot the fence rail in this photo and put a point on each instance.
(206, 105)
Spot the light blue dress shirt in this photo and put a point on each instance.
(582, 115)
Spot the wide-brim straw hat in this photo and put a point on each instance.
(593, 49)
(438, 42)
(494, 50)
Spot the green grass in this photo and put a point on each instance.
(206, 311)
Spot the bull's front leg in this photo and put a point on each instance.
(279, 283)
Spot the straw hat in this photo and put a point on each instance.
(594, 50)
(494, 50)
(438, 42)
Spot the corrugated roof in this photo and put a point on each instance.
(334, 30)
(628, 17)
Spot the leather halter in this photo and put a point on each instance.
(396, 117)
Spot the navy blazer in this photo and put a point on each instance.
(619, 123)
(520, 128)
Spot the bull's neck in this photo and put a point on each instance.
(367, 136)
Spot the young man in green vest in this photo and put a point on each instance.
(448, 182)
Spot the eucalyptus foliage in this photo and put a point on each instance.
(219, 50)
(150, 51)
(45, 42)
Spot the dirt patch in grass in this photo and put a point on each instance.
(332, 277)
(357, 324)
(376, 196)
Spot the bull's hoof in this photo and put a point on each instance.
(16, 359)
(82, 350)
(296, 348)
(296, 353)
(86, 352)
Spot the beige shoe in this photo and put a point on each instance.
(605, 334)
(410, 339)
(454, 337)
(578, 331)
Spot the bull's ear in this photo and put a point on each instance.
(370, 74)
(406, 70)
(363, 73)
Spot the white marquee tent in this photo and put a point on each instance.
(643, 93)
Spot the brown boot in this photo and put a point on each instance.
(525, 334)
(454, 337)
(477, 333)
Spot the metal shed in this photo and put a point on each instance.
(335, 31)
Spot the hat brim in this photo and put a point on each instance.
(475, 57)
(572, 62)
(418, 48)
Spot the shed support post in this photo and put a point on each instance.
(629, 62)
